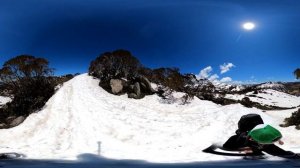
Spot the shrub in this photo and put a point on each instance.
(294, 119)
(169, 77)
(31, 96)
(116, 64)
(31, 84)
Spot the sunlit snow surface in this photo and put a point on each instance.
(4, 100)
(83, 118)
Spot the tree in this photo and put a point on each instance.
(297, 73)
(23, 68)
(31, 84)
(169, 77)
(116, 64)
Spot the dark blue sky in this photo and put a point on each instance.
(189, 34)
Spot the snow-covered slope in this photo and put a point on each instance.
(269, 97)
(82, 118)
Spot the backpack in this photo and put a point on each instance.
(248, 122)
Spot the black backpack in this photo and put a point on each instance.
(248, 122)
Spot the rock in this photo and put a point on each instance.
(131, 87)
(146, 83)
(132, 95)
(17, 121)
(143, 86)
(10, 119)
(116, 86)
(3, 125)
(137, 89)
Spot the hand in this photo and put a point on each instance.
(280, 142)
(246, 150)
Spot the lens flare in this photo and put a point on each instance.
(248, 26)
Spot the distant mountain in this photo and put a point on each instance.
(272, 85)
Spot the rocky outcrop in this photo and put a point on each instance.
(136, 87)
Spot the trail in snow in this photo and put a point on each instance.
(81, 114)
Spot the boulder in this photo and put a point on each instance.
(3, 125)
(136, 92)
(116, 86)
(17, 121)
(10, 119)
(145, 83)
(132, 95)
(137, 89)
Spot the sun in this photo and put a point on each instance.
(248, 26)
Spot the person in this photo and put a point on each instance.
(253, 136)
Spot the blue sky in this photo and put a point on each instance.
(189, 34)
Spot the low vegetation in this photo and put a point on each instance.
(29, 81)
(294, 119)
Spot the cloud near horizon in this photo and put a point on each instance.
(226, 80)
(205, 73)
(226, 67)
(213, 77)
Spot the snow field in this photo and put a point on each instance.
(270, 97)
(81, 114)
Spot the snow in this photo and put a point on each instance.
(269, 97)
(271, 85)
(82, 118)
(4, 100)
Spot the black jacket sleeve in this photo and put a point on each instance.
(235, 142)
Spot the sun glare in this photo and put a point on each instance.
(248, 26)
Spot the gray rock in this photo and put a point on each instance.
(116, 86)
(132, 95)
(3, 125)
(131, 87)
(17, 121)
(136, 94)
(146, 83)
(137, 89)
(10, 119)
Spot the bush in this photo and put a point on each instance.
(30, 82)
(117, 64)
(169, 77)
(31, 96)
(246, 102)
(293, 120)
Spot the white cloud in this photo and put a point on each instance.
(205, 73)
(213, 77)
(226, 79)
(226, 67)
